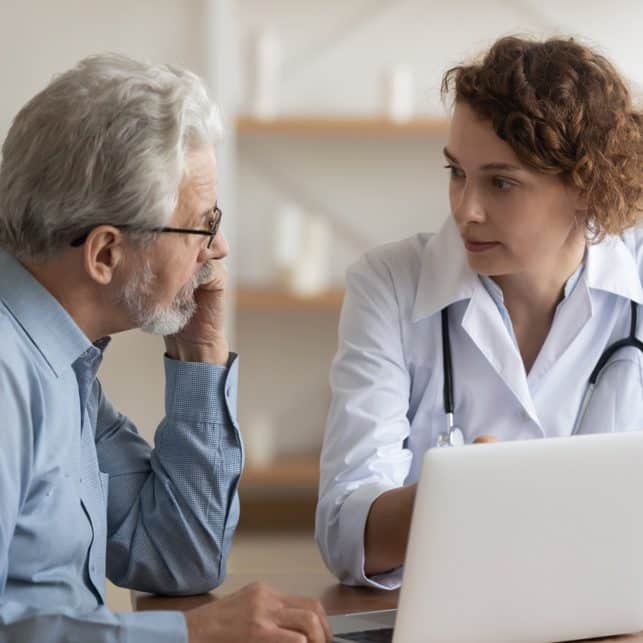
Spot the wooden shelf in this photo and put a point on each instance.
(297, 474)
(345, 125)
(281, 496)
(271, 299)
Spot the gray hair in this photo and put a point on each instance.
(105, 142)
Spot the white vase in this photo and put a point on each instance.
(398, 93)
(265, 61)
(311, 274)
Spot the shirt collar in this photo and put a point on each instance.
(612, 267)
(49, 326)
(498, 296)
(446, 277)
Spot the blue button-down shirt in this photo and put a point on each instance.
(82, 495)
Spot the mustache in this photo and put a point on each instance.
(204, 275)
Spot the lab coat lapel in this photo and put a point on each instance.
(570, 318)
(447, 278)
(484, 325)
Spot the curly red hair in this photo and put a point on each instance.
(565, 110)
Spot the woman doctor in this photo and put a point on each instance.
(539, 270)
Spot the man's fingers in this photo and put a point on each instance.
(285, 636)
(313, 605)
(304, 621)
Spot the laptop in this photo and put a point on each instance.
(538, 540)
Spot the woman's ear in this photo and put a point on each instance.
(102, 252)
(581, 200)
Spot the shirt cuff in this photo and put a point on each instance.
(154, 627)
(352, 525)
(200, 391)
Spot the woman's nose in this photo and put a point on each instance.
(467, 207)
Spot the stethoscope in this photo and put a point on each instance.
(454, 436)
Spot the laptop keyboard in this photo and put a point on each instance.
(372, 636)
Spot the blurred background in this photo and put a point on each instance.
(334, 131)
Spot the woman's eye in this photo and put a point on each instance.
(502, 184)
(456, 172)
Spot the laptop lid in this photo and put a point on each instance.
(538, 540)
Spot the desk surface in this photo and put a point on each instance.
(336, 599)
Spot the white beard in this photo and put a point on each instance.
(138, 300)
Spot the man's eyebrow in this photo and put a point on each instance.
(486, 166)
(209, 212)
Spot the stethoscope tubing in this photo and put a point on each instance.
(448, 392)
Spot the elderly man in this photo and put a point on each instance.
(109, 221)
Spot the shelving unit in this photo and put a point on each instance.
(280, 496)
(288, 340)
(289, 475)
(273, 299)
(340, 125)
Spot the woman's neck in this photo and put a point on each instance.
(539, 291)
(531, 299)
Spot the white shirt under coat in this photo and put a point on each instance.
(387, 377)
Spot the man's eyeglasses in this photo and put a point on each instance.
(213, 228)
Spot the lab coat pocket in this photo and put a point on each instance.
(616, 404)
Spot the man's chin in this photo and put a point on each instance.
(168, 322)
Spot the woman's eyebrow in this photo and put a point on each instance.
(486, 166)
(450, 156)
(501, 166)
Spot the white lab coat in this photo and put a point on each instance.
(387, 377)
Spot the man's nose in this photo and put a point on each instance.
(219, 248)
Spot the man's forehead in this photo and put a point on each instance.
(198, 190)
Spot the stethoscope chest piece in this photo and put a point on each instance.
(454, 438)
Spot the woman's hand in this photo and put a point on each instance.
(485, 439)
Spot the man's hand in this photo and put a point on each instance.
(258, 614)
(203, 338)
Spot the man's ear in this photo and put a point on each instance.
(103, 251)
